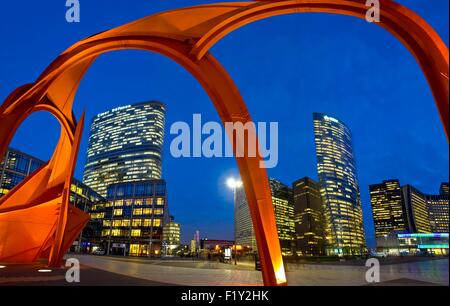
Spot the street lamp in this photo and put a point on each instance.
(234, 184)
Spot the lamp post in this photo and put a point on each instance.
(234, 184)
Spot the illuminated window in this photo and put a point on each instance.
(118, 212)
(160, 201)
(136, 233)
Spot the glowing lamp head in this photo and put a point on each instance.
(233, 183)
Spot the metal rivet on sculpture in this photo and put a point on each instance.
(36, 219)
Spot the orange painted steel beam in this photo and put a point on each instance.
(416, 34)
(185, 36)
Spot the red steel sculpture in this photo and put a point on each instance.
(36, 218)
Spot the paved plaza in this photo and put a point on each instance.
(109, 271)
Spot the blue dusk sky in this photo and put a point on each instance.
(286, 67)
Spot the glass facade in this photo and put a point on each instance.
(429, 243)
(244, 232)
(171, 236)
(15, 167)
(133, 218)
(310, 222)
(389, 212)
(438, 213)
(85, 199)
(125, 145)
(284, 217)
(338, 178)
(417, 210)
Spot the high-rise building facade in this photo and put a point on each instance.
(444, 189)
(243, 225)
(125, 145)
(284, 217)
(133, 218)
(15, 166)
(338, 178)
(85, 199)
(438, 211)
(405, 209)
(416, 209)
(171, 235)
(310, 222)
(388, 209)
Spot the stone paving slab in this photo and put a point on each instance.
(111, 271)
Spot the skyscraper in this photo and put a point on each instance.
(388, 209)
(438, 213)
(416, 209)
(133, 217)
(337, 174)
(284, 217)
(171, 235)
(444, 189)
(245, 233)
(407, 209)
(125, 145)
(309, 218)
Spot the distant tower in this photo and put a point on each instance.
(125, 145)
(417, 210)
(336, 167)
(284, 217)
(444, 190)
(310, 222)
(197, 238)
(388, 209)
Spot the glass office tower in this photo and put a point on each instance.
(244, 231)
(417, 210)
(438, 213)
(337, 174)
(284, 217)
(388, 209)
(171, 236)
(133, 218)
(125, 145)
(310, 222)
(15, 167)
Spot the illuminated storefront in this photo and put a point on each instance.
(415, 244)
(340, 191)
(125, 145)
